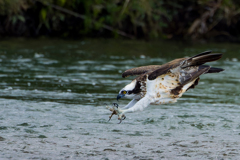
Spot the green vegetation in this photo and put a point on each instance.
(200, 19)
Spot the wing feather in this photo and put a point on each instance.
(139, 70)
(165, 68)
(196, 60)
(189, 74)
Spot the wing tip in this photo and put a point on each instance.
(125, 75)
(208, 52)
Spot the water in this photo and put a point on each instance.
(52, 95)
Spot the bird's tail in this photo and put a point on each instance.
(211, 69)
(215, 70)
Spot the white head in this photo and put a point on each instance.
(129, 91)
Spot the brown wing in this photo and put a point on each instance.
(157, 70)
(139, 70)
(196, 60)
(165, 68)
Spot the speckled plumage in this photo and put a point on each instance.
(162, 84)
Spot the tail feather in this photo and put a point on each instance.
(215, 70)
(212, 69)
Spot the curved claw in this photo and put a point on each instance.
(116, 111)
(112, 110)
(120, 121)
(121, 118)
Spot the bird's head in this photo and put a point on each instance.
(128, 91)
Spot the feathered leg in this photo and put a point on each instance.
(130, 104)
(139, 106)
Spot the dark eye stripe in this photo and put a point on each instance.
(127, 92)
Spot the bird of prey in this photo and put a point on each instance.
(162, 84)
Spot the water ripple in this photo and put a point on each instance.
(53, 95)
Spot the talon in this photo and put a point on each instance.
(121, 118)
(120, 121)
(110, 117)
(117, 111)
(114, 112)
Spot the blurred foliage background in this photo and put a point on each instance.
(144, 19)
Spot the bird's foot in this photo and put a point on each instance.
(116, 111)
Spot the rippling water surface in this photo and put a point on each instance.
(52, 95)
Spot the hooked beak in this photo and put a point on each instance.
(120, 96)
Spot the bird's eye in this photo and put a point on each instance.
(124, 92)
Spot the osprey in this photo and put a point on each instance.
(162, 84)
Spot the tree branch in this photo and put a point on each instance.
(84, 17)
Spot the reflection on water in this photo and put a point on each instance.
(53, 93)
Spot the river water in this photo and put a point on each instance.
(52, 95)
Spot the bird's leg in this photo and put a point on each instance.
(113, 112)
(117, 111)
(122, 118)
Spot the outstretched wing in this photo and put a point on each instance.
(196, 60)
(139, 70)
(165, 68)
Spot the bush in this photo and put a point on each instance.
(111, 18)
